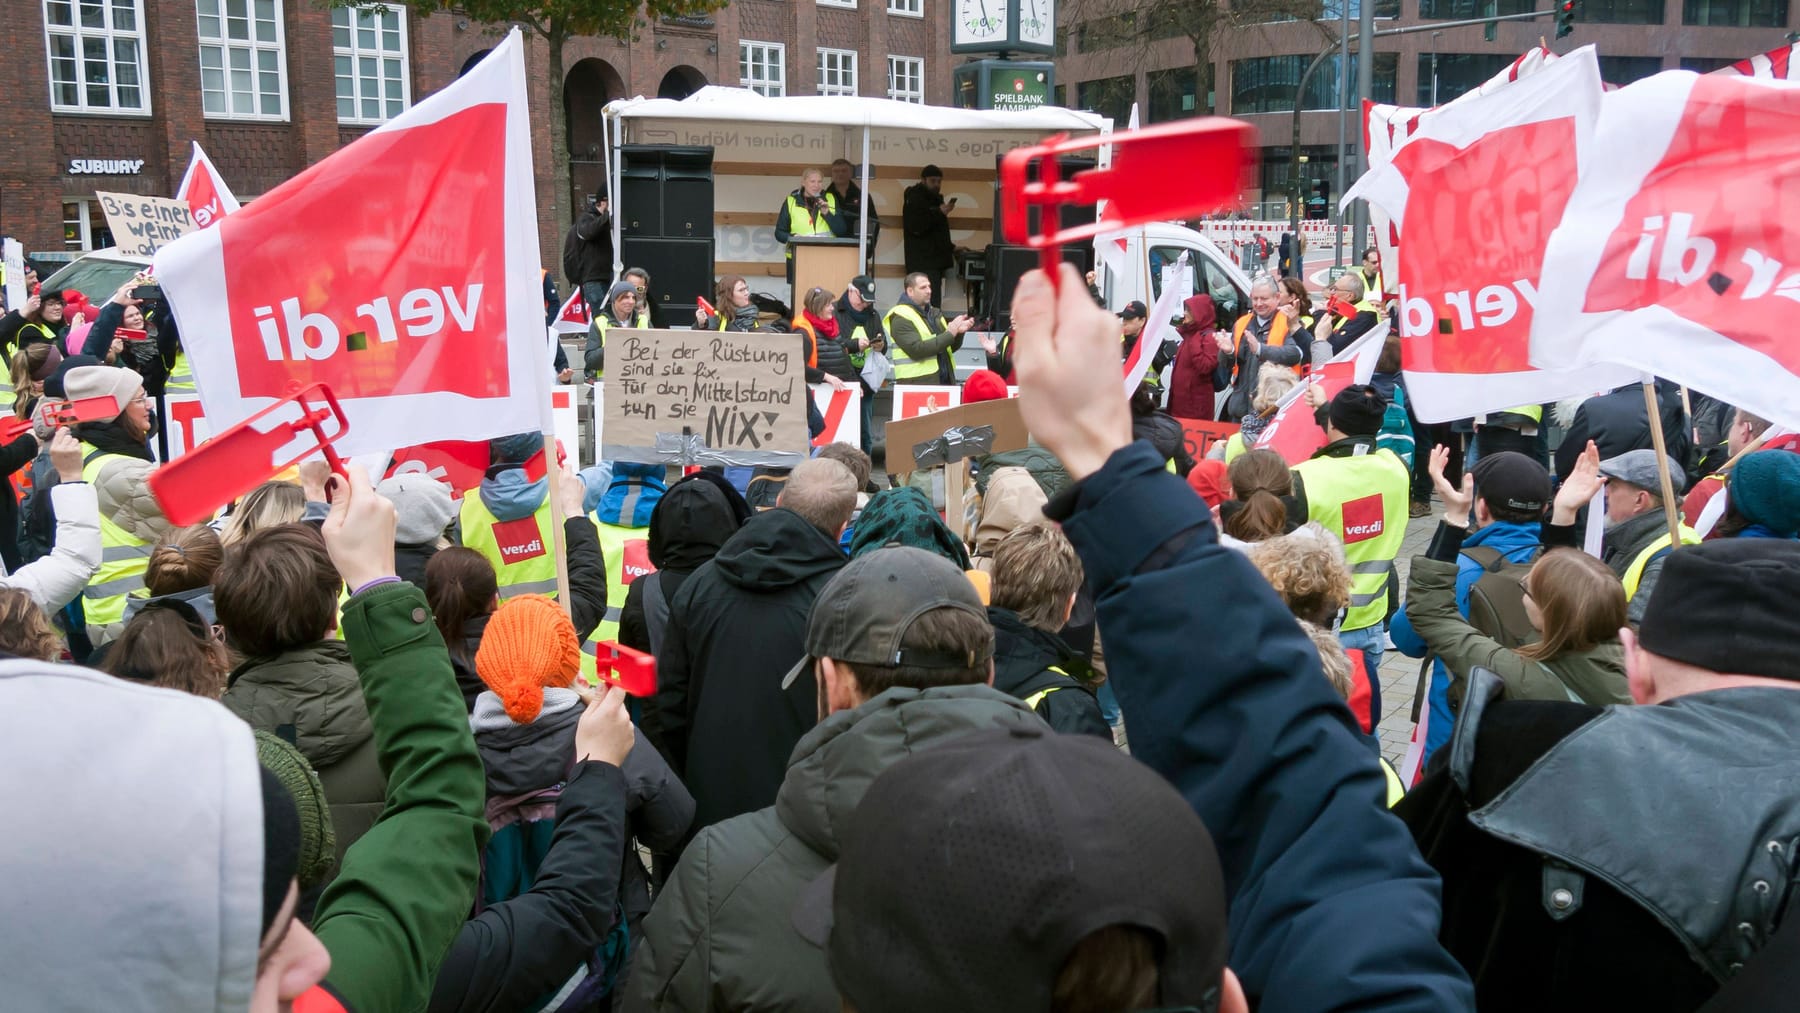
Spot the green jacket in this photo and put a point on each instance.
(719, 935)
(310, 696)
(1595, 677)
(406, 888)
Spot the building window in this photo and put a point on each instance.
(1333, 10)
(762, 67)
(1621, 12)
(838, 3)
(1108, 96)
(837, 71)
(1735, 13)
(96, 56)
(1622, 70)
(906, 78)
(1173, 94)
(908, 8)
(1443, 10)
(369, 46)
(84, 225)
(242, 73)
(1706, 64)
(1266, 84)
(1457, 73)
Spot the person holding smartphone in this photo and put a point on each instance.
(926, 216)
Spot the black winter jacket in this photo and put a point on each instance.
(1616, 422)
(735, 629)
(1167, 436)
(588, 249)
(687, 527)
(834, 358)
(1023, 657)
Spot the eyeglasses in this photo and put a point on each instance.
(140, 399)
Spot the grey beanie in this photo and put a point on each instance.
(423, 504)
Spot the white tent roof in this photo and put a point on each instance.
(743, 105)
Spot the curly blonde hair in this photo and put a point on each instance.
(1332, 659)
(1307, 569)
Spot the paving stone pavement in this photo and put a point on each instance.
(1399, 673)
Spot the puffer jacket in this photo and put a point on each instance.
(719, 935)
(55, 579)
(1595, 677)
(123, 491)
(1167, 436)
(1013, 499)
(311, 697)
(834, 358)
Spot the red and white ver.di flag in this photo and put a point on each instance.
(1178, 280)
(401, 271)
(1475, 192)
(207, 196)
(1682, 260)
(573, 317)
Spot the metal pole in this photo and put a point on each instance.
(1343, 104)
(862, 224)
(1434, 66)
(1365, 84)
(1294, 144)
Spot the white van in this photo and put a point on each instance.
(1149, 248)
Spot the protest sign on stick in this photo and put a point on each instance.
(952, 437)
(705, 397)
(140, 225)
(14, 254)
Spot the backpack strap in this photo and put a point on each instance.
(1486, 556)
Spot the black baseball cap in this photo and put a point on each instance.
(1510, 479)
(865, 285)
(1134, 310)
(865, 610)
(970, 870)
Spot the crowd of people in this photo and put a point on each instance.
(348, 746)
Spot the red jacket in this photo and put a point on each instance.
(1191, 388)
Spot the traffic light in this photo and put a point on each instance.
(1565, 18)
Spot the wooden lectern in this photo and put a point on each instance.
(828, 262)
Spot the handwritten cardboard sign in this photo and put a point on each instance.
(704, 397)
(143, 225)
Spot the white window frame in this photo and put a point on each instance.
(845, 70)
(838, 3)
(356, 53)
(907, 8)
(109, 37)
(773, 58)
(254, 49)
(915, 64)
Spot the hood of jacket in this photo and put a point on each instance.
(835, 762)
(1022, 653)
(905, 516)
(201, 598)
(1163, 432)
(510, 495)
(1597, 675)
(632, 495)
(521, 759)
(1504, 536)
(688, 525)
(1013, 499)
(312, 690)
(776, 549)
(160, 795)
(1201, 317)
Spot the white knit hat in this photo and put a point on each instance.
(99, 381)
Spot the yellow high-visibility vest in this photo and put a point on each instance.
(1635, 572)
(181, 376)
(626, 555)
(905, 366)
(1363, 501)
(802, 223)
(522, 552)
(123, 557)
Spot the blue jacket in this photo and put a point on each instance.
(1515, 542)
(1331, 906)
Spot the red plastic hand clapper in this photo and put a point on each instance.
(193, 486)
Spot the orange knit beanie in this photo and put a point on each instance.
(529, 644)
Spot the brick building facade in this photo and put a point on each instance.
(269, 87)
(1112, 53)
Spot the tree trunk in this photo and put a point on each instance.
(561, 200)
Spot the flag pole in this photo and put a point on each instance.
(1654, 415)
(554, 470)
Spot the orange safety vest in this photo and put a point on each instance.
(812, 341)
(1277, 336)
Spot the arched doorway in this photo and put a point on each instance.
(590, 84)
(470, 63)
(680, 82)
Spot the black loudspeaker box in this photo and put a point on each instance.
(1072, 215)
(680, 271)
(1007, 264)
(666, 191)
